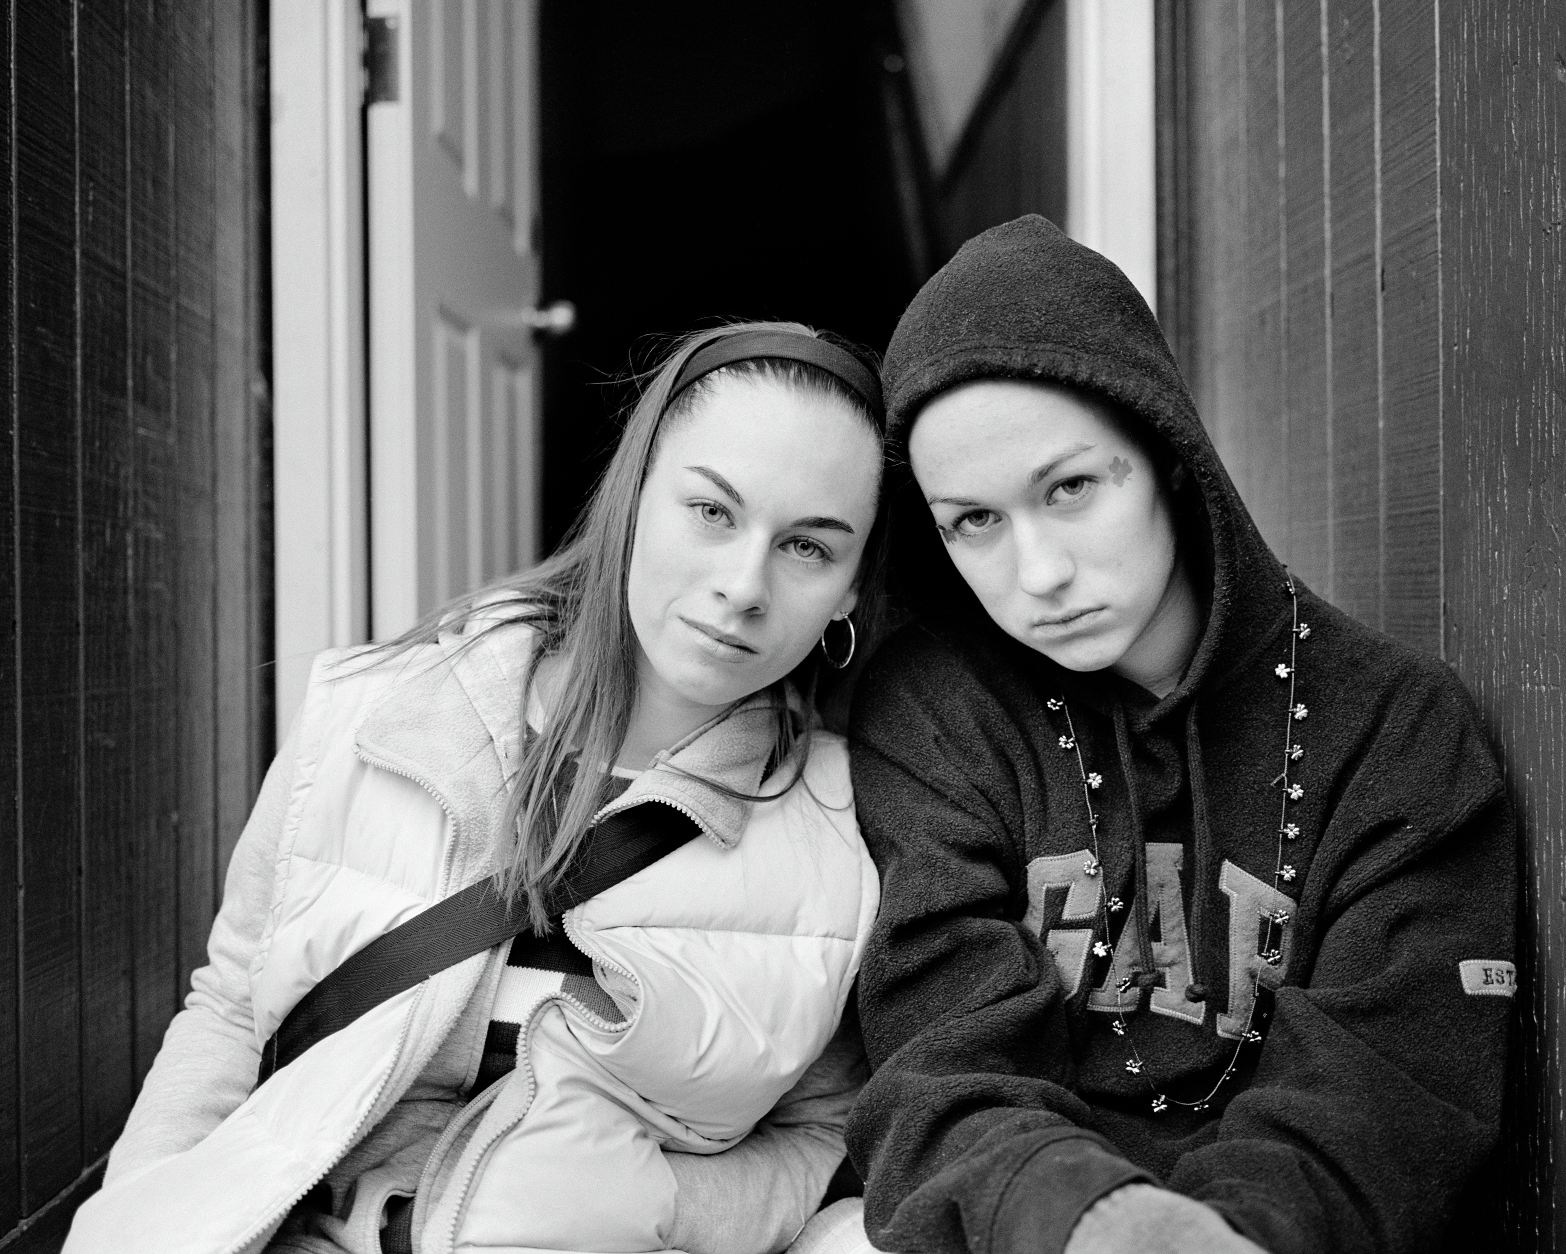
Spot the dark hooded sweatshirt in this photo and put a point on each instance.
(1001, 1106)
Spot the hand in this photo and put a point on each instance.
(839, 1229)
(1144, 1219)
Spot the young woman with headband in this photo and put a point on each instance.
(656, 1065)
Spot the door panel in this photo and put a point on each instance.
(517, 458)
(452, 117)
(500, 109)
(450, 434)
(454, 480)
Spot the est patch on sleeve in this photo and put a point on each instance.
(1485, 977)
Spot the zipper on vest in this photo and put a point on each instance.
(524, 1054)
(573, 934)
(524, 1061)
(402, 1034)
(619, 805)
(463, 1186)
(422, 782)
(475, 1108)
(279, 1213)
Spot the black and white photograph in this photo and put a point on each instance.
(783, 627)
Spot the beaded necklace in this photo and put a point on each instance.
(1283, 873)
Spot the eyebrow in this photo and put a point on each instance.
(722, 484)
(1037, 477)
(824, 522)
(816, 522)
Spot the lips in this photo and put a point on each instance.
(1065, 620)
(723, 643)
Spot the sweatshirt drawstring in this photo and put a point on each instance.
(1147, 971)
(1196, 990)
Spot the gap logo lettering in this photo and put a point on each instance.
(1065, 905)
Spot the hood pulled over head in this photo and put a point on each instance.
(1024, 301)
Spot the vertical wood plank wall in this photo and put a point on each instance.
(1373, 264)
(134, 573)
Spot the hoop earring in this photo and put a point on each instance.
(853, 641)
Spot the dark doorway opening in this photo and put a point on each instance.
(706, 160)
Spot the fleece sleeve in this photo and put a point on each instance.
(969, 1114)
(1150, 1220)
(1378, 1091)
(207, 1065)
(754, 1198)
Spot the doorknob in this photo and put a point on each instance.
(550, 322)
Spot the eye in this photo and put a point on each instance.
(711, 513)
(1069, 490)
(807, 549)
(975, 522)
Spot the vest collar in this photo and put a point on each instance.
(452, 721)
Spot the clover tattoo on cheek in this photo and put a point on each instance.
(1119, 469)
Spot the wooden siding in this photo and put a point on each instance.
(134, 566)
(1373, 315)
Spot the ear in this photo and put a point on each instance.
(845, 607)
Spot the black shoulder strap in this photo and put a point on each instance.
(467, 923)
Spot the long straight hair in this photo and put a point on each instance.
(576, 600)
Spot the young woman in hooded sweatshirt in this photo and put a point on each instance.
(1197, 894)
(647, 1069)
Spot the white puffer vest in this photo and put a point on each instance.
(730, 960)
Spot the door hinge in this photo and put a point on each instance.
(380, 59)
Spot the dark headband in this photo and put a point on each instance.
(787, 346)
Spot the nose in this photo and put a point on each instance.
(743, 581)
(1045, 567)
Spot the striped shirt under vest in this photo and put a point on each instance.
(538, 967)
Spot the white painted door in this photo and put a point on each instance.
(453, 380)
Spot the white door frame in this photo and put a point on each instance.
(356, 544)
(320, 538)
(1111, 146)
(394, 378)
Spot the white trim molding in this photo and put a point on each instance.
(1111, 157)
(319, 420)
(394, 376)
